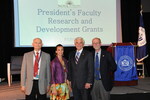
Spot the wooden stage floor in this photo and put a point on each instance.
(138, 92)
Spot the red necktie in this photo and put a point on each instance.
(36, 64)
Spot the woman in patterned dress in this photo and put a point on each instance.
(59, 83)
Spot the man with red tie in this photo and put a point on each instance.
(35, 72)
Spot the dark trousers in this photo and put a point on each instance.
(81, 94)
(35, 94)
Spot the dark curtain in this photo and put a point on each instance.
(130, 19)
(146, 17)
(6, 35)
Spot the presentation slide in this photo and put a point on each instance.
(61, 21)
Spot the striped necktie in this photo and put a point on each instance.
(77, 57)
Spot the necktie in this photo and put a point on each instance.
(97, 66)
(36, 64)
(77, 57)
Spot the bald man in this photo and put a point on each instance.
(35, 72)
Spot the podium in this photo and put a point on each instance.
(112, 49)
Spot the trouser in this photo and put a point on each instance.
(81, 94)
(98, 91)
(35, 94)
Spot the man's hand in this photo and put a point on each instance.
(48, 88)
(87, 85)
(23, 89)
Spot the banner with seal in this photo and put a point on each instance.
(126, 65)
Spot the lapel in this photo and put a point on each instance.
(31, 62)
(31, 58)
(93, 52)
(102, 58)
(42, 58)
(73, 56)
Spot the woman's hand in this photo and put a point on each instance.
(54, 92)
(69, 85)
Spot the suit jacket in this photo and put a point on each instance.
(107, 67)
(83, 72)
(27, 71)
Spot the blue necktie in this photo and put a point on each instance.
(97, 66)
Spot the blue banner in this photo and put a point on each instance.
(126, 67)
(141, 49)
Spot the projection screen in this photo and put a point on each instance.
(61, 21)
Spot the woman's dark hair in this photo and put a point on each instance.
(58, 46)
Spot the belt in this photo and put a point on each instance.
(35, 80)
(98, 79)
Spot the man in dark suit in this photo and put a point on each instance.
(35, 72)
(80, 71)
(104, 66)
